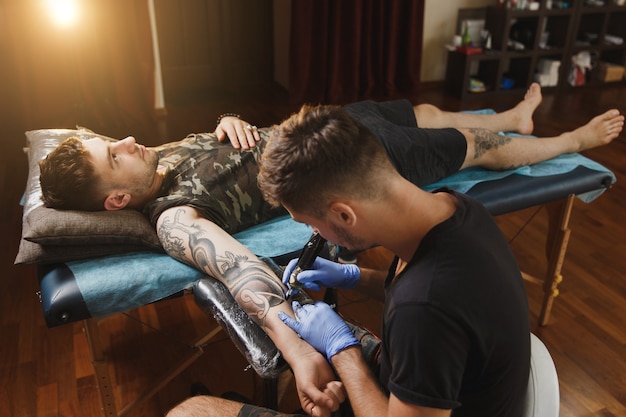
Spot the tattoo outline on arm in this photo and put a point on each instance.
(250, 281)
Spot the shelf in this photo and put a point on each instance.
(525, 41)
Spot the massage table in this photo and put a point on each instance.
(94, 288)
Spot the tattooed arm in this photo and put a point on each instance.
(200, 243)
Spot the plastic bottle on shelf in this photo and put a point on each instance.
(466, 39)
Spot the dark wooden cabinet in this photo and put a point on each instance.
(525, 43)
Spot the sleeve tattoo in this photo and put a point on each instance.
(250, 281)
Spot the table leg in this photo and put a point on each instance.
(556, 247)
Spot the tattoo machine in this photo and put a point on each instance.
(307, 256)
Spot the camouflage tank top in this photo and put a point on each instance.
(215, 179)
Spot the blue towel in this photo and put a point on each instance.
(114, 284)
(464, 180)
(275, 237)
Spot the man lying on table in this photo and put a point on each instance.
(199, 191)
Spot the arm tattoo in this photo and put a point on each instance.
(486, 141)
(249, 281)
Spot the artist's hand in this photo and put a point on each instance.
(321, 327)
(318, 390)
(242, 135)
(325, 273)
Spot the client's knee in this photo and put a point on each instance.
(427, 115)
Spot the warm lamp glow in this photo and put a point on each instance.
(63, 12)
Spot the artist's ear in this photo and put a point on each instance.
(343, 213)
(116, 200)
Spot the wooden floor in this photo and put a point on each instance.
(47, 372)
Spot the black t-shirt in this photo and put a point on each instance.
(456, 331)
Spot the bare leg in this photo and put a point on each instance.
(490, 150)
(205, 406)
(519, 119)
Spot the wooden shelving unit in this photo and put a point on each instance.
(551, 34)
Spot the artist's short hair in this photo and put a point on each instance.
(318, 154)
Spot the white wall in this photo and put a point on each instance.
(439, 26)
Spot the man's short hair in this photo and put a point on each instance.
(318, 154)
(68, 178)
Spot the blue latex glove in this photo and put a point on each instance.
(321, 327)
(324, 273)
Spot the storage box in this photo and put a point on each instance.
(608, 72)
(469, 50)
(548, 72)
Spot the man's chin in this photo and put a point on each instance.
(153, 157)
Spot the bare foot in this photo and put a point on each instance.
(525, 109)
(599, 131)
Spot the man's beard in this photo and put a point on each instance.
(139, 186)
(348, 240)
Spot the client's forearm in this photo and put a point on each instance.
(202, 244)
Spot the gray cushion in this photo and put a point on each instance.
(50, 235)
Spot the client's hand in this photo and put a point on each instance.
(318, 390)
(325, 273)
(321, 327)
(242, 135)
